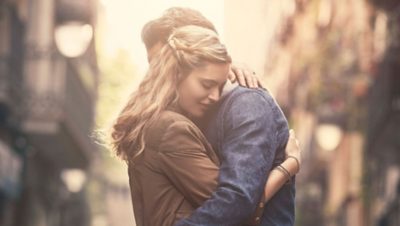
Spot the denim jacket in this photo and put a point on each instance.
(249, 132)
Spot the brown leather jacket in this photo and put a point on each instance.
(174, 175)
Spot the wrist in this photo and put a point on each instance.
(291, 165)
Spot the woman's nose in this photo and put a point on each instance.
(214, 95)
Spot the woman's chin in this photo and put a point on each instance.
(196, 115)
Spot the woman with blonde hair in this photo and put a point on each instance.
(172, 167)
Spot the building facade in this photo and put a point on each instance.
(333, 67)
(339, 91)
(47, 100)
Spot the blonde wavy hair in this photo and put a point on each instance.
(187, 48)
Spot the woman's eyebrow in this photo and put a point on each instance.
(208, 80)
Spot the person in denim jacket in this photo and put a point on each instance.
(250, 133)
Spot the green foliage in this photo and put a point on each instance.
(117, 81)
(118, 77)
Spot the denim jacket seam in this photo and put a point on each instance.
(230, 99)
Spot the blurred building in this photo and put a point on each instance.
(48, 89)
(343, 70)
(333, 66)
(382, 158)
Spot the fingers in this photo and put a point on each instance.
(251, 79)
(292, 135)
(245, 76)
(293, 150)
(255, 81)
(240, 76)
(293, 147)
(231, 76)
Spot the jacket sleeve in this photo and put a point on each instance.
(185, 162)
(247, 151)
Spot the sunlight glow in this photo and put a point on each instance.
(124, 20)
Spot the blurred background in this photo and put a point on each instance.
(67, 66)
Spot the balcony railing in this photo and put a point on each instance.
(59, 111)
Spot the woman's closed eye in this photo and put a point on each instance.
(208, 84)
